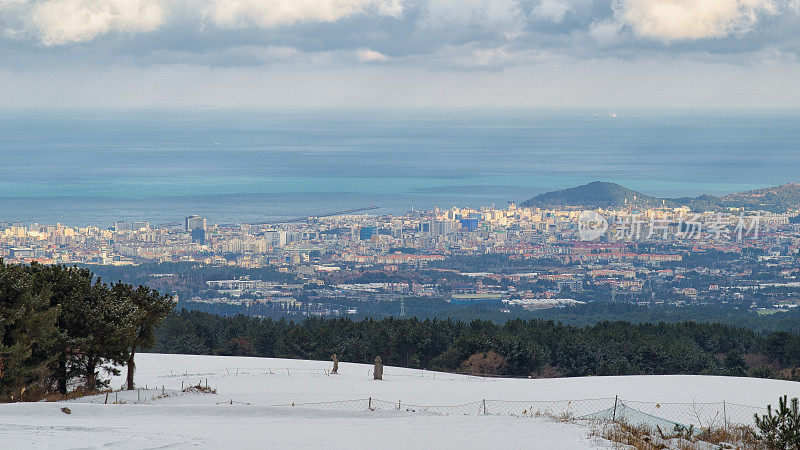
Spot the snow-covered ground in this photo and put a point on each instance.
(246, 413)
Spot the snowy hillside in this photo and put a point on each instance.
(246, 410)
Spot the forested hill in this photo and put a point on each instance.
(786, 196)
(599, 194)
(518, 348)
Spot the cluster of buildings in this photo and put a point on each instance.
(416, 238)
(624, 252)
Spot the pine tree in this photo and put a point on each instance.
(148, 309)
(58, 323)
(103, 337)
(69, 287)
(781, 430)
(91, 324)
(27, 332)
(63, 284)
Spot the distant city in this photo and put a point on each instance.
(502, 259)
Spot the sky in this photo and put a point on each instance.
(401, 53)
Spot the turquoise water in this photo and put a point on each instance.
(83, 167)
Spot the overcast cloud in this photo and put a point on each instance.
(334, 42)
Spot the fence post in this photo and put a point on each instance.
(369, 405)
(106, 402)
(398, 405)
(724, 416)
(614, 415)
(138, 395)
(484, 406)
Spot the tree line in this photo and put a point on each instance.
(61, 326)
(539, 348)
(584, 314)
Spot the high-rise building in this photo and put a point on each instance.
(441, 227)
(195, 222)
(199, 236)
(397, 231)
(122, 226)
(21, 253)
(366, 233)
(276, 238)
(425, 228)
(469, 224)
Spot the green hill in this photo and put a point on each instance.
(776, 198)
(599, 194)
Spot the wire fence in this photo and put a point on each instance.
(311, 371)
(714, 415)
(706, 415)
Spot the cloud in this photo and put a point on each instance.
(270, 13)
(432, 34)
(503, 16)
(241, 56)
(370, 56)
(552, 10)
(669, 20)
(59, 22)
(502, 57)
(605, 33)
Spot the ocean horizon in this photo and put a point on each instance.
(84, 166)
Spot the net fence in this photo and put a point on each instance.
(663, 414)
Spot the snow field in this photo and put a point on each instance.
(244, 412)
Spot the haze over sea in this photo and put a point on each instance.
(96, 166)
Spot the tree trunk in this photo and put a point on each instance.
(91, 376)
(131, 369)
(62, 373)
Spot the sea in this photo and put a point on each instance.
(96, 166)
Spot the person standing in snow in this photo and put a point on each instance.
(335, 364)
(378, 372)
